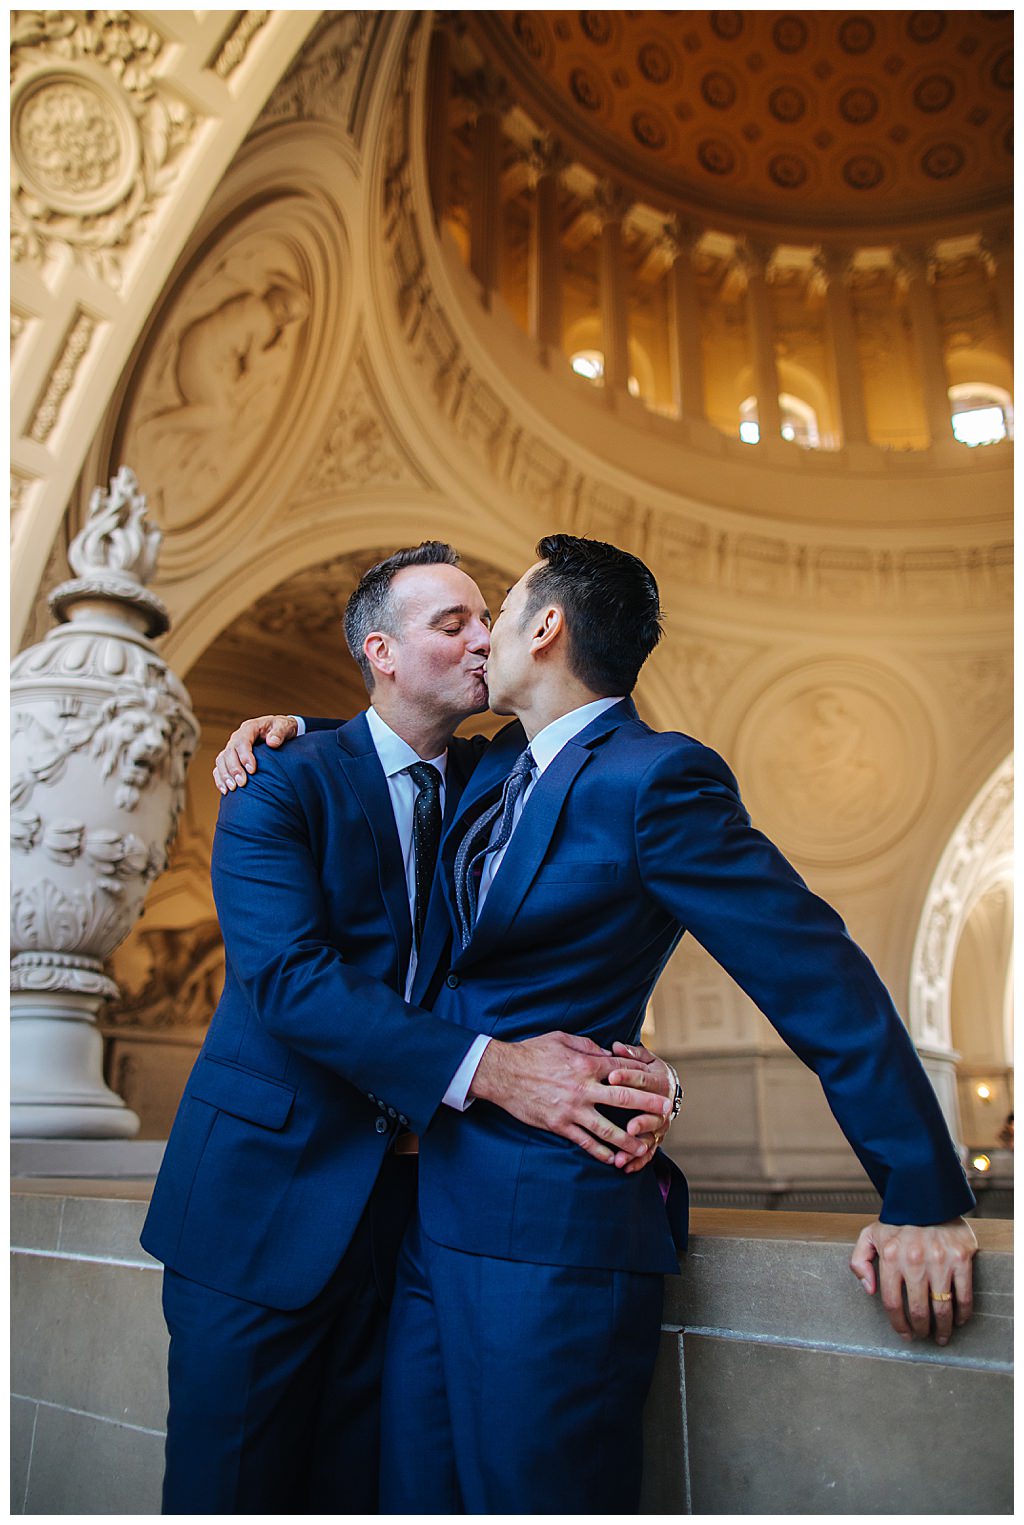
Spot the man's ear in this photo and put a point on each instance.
(379, 653)
(548, 625)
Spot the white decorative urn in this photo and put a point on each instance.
(101, 735)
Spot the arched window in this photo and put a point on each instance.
(799, 421)
(589, 363)
(982, 413)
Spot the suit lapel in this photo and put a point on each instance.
(532, 836)
(361, 766)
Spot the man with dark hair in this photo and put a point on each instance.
(513, 1363)
(526, 1316)
(290, 1170)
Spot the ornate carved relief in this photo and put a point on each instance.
(321, 84)
(96, 135)
(206, 402)
(80, 336)
(361, 448)
(236, 45)
(702, 671)
(836, 760)
(983, 836)
(173, 978)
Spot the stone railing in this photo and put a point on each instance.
(780, 1388)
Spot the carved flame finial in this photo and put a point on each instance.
(115, 555)
(117, 535)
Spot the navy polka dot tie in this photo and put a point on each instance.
(426, 834)
(476, 844)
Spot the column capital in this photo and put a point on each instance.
(754, 257)
(610, 202)
(996, 246)
(489, 91)
(914, 262)
(834, 266)
(679, 238)
(546, 156)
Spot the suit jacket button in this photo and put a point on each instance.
(452, 982)
(381, 1125)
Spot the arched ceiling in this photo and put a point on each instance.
(810, 117)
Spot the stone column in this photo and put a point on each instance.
(755, 259)
(834, 267)
(685, 351)
(438, 126)
(485, 212)
(997, 251)
(101, 733)
(547, 161)
(611, 204)
(914, 267)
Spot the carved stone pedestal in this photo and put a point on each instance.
(101, 734)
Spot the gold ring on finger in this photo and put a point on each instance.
(942, 1297)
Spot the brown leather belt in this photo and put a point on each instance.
(406, 1143)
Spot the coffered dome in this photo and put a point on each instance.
(810, 118)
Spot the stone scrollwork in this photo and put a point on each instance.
(95, 134)
(361, 447)
(321, 84)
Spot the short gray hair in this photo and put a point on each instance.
(372, 607)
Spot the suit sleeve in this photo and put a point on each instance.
(320, 723)
(726, 883)
(276, 937)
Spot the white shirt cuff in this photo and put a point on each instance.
(457, 1093)
(300, 723)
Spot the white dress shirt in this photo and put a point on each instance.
(395, 756)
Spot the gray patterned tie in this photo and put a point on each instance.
(426, 834)
(476, 844)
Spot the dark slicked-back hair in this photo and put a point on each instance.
(611, 607)
(372, 606)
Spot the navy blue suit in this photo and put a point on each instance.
(279, 1205)
(524, 1329)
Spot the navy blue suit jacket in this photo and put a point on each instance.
(630, 838)
(313, 1060)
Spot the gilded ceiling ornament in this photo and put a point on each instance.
(1002, 70)
(925, 26)
(789, 34)
(787, 104)
(321, 83)
(96, 135)
(716, 157)
(529, 31)
(597, 26)
(788, 171)
(586, 90)
(933, 93)
(943, 161)
(863, 172)
(856, 34)
(726, 24)
(237, 44)
(718, 90)
(858, 106)
(655, 63)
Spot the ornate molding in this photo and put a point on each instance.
(236, 45)
(321, 85)
(76, 344)
(360, 448)
(771, 564)
(983, 835)
(96, 135)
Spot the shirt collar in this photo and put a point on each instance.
(547, 743)
(394, 751)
